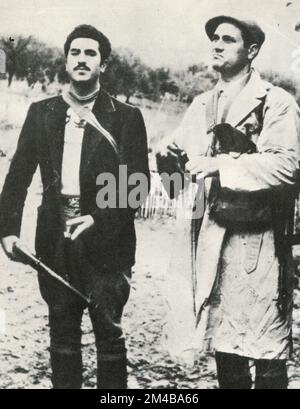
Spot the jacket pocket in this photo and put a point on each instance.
(253, 247)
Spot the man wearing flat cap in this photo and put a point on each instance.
(244, 274)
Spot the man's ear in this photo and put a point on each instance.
(103, 66)
(252, 51)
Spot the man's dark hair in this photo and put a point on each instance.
(87, 31)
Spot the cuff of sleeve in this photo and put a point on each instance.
(230, 172)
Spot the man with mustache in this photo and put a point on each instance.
(73, 139)
(242, 248)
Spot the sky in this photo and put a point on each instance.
(166, 33)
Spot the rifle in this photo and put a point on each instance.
(34, 262)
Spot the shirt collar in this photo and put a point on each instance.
(84, 100)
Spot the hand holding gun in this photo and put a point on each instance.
(28, 258)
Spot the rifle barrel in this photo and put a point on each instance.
(35, 262)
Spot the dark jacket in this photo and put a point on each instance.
(111, 242)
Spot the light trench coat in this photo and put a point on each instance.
(238, 273)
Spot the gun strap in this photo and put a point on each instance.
(86, 114)
(212, 117)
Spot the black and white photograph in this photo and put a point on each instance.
(149, 195)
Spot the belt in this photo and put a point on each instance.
(70, 208)
(70, 201)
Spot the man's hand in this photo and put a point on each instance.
(7, 244)
(81, 224)
(203, 164)
(167, 147)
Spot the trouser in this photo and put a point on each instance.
(65, 338)
(109, 291)
(234, 373)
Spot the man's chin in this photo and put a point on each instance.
(81, 78)
(217, 67)
(84, 82)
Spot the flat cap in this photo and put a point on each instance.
(250, 29)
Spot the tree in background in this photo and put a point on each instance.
(160, 82)
(194, 81)
(31, 60)
(282, 81)
(15, 49)
(41, 64)
(125, 74)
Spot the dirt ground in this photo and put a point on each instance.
(24, 343)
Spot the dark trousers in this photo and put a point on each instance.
(109, 292)
(234, 372)
(65, 335)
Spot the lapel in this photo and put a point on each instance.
(55, 128)
(248, 99)
(104, 110)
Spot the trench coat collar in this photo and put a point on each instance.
(248, 99)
